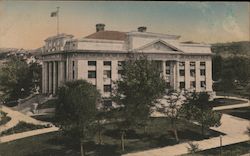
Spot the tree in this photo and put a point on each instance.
(76, 110)
(171, 109)
(136, 92)
(15, 81)
(197, 108)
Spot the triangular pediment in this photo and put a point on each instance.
(158, 46)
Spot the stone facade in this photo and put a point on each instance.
(98, 57)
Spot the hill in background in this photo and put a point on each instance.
(241, 48)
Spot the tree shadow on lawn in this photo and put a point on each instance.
(62, 145)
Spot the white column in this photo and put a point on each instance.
(187, 75)
(61, 73)
(50, 77)
(197, 76)
(177, 75)
(209, 80)
(54, 77)
(164, 69)
(44, 77)
(99, 75)
(114, 70)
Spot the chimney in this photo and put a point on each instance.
(142, 29)
(100, 27)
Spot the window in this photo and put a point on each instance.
(107, 63)
(203, 84)
(182, 85)
(182, 72)
(202, 63)
(107, 88)
(107, 74)
(73, 74)
(168, 71)
(203, 72)
(192, 64)
(91, 63)
(73, 63)
(167, 63)
(192, 72)
(168, 85)
(182, 64)
(192, 84)
(91, 74)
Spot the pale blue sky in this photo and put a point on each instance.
(25, 24)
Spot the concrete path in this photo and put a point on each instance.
(27, 134)
(16, 117)
(246, 104)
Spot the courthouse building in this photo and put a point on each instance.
(98, 57)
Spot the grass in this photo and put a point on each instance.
(230, 150)
(46, 118)
(4, 118)
(238, 112)
(56, 144)
(47, 104)
(22, 127)
(225, 101)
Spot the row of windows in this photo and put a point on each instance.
(106, 74)
(105, 63)
(192, 64)
(192, 72)
(193, 84)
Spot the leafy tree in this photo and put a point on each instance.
(217, 67)
(171, 109)
(197, 108)
(136, 92)
(76, 110)
(15, 81)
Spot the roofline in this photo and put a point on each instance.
(151, 34)
(120, 52)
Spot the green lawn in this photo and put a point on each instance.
(54, 144)
(230, 150)
(225, 101)
(239, 112)
(47, 104)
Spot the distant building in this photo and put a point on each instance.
(98, 58)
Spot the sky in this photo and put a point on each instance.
(26, 24)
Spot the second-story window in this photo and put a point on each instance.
(182, 72)
(203, 72)
(91, 74)
(107, 74)
(107, 88)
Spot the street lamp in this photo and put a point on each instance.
(220, 145)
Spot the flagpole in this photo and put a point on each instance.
(57, 20)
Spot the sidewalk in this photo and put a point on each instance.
(27, 134)
(16, 117)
